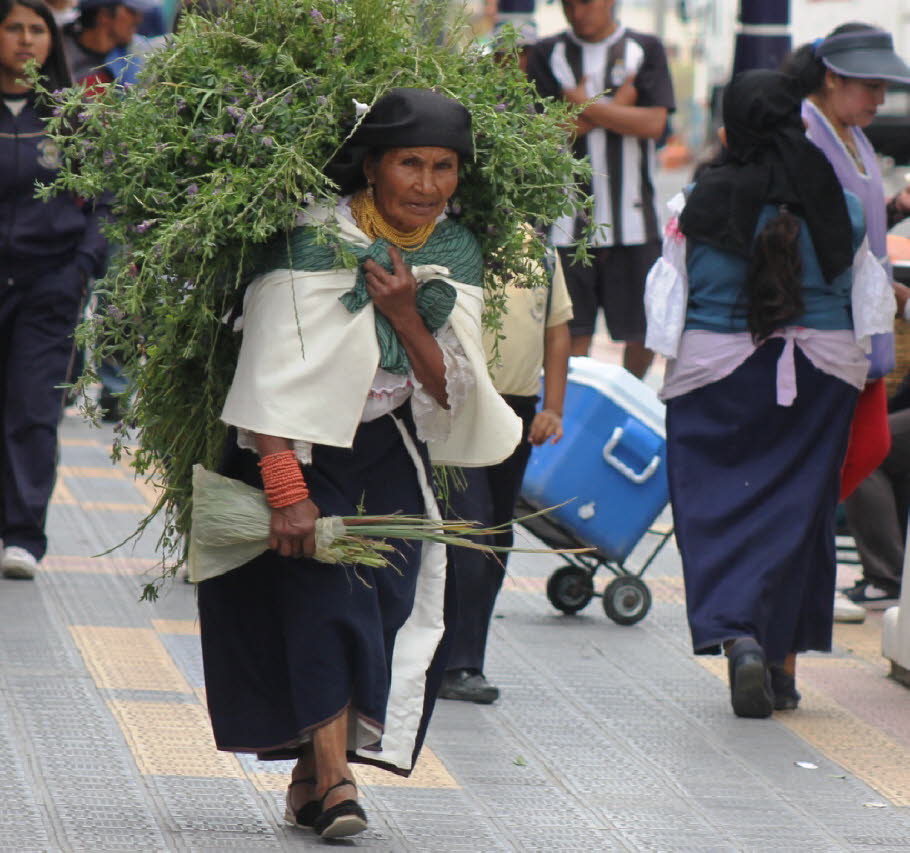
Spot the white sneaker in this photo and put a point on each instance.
(18, 563)
(846, 611)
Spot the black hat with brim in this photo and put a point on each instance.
(865, 53)
(404, 118)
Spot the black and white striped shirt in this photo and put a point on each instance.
(621, 184)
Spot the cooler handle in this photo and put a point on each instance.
(637, 477)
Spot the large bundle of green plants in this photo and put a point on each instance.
(211, 156)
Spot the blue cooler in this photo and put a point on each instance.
(610, 466)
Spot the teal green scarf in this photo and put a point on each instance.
(450, 245)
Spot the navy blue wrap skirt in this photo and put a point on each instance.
(289, 644)
(754, 489)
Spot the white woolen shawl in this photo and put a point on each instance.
(306, 363)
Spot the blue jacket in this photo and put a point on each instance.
(33, 233)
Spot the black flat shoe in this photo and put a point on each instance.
(341, 820)
(306, 815)
(786, 696)
(750, 681)
(469, 686)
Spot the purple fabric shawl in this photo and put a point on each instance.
(870, 190)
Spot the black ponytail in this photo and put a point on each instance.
(774, 281)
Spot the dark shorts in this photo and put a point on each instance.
(615, 281)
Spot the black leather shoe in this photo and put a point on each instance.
(469, 686)
(786, 696)
(750, 681)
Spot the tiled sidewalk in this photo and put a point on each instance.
(605, 738)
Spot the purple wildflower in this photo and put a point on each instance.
(192, 189)
(317, 16)
(267, 141)
(500, 108)
(257, 128)
(236, 113)
(108, 158)
(57, 112)
(322, 100)
(181, 105)
(115, 313)
(144, 226)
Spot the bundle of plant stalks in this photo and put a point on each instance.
(230, 527)
(210, 157)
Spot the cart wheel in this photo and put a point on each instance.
(570, 588)
(626, 600)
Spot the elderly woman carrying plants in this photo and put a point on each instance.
(361, 359)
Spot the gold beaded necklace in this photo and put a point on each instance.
(370, 221)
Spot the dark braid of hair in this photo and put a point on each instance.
(774, 280)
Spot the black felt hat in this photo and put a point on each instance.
(404, 118)
(416, 117)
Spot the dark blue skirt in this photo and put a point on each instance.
(289, 644)
(754, 488)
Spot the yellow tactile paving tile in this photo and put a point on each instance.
(859, 748)
(106, 472)
(429, 773)
(176, 626)
(173, 739)
(113, 506)
(98, 565)
(128, 659)
(80, 442)
(145, 484)
(62, 493)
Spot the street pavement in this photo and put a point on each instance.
(605, 737)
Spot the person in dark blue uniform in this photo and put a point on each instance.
(49, 251)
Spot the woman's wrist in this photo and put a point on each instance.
(282, 479)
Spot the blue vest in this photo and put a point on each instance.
(717, 301)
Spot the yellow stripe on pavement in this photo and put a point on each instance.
(80, 442)
(62, 493)
(176, 626)
(98, 565)
(128, 659)
(113, 506)
(107, 472)
(173, 739)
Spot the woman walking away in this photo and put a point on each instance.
(762, 386)
(322, 663)
(50, 249)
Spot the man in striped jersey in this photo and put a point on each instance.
(622, 78)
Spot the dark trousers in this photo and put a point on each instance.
(488, 498)
(38, 313)
(877, 510)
